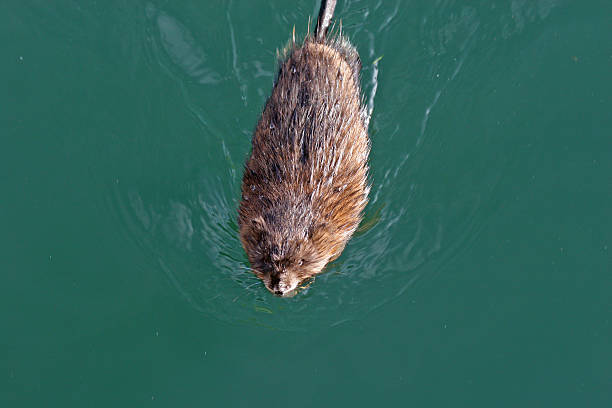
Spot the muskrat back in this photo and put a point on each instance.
(305, 182)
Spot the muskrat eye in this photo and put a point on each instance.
(300, 262)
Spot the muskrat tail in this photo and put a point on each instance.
(325, 15)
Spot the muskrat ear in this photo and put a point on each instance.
(316, 228)
(258, 223)
(257, 230)
(310, 231)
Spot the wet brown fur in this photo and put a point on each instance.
(305, 183)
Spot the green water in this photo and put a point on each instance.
(480, 278)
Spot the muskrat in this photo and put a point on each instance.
(305, 183)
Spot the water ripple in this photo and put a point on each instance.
(185, 219)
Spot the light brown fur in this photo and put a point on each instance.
(305, 183)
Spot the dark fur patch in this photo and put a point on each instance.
(304, 95)
(305, 149)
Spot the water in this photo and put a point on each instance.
(481, 275)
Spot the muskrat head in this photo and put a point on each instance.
(281, 259)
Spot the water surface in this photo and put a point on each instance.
(481, 275)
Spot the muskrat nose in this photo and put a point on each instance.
(279, 293)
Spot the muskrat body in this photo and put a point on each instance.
(305, 182)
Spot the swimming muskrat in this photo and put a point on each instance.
(305, 184)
